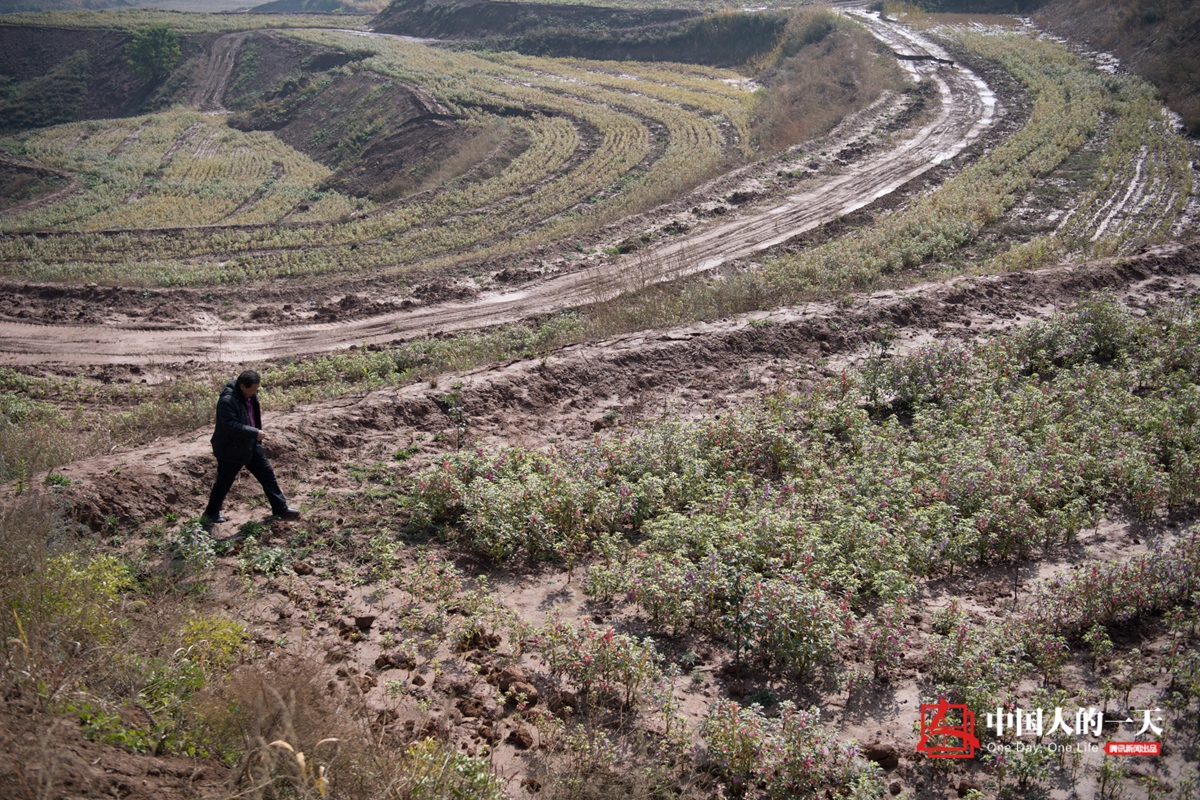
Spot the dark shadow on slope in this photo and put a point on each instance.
(682, 35)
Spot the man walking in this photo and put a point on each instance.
(237, 442)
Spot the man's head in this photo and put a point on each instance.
(248, 383)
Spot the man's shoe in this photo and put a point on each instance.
(287, 513)
(213, 520)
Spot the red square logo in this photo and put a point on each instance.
(947, 730)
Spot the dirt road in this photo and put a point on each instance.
(213, 81)
(967, 109)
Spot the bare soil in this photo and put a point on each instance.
(209, 90)
(265, 58)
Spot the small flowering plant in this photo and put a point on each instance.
(598, 660)
(1114, 592)
(788, 756)
(884, 638)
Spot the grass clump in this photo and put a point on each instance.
(85, 634)
(56, 600)
(215, 642)
(34, 435)
(37, 433)
(299, 738)
(79, 594)
(50, 99)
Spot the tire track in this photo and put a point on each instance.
(72, 185)
(185, 138)
(967, 109)
(208, 96)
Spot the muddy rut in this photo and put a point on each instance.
(210, 93)
(967, 109)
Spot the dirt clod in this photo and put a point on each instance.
(521, 738)
(395, 661)
(527, 690)
(965, 787)
(508, 676)
(470, 707)
(885, 755)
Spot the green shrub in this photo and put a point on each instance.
(254, 558)
(192, 545)
(153, 52)
(788, 625)
(74, 599)
(808, 501)
(213, 641)
(433, 771)
(1110, 593)
(56, 479)
(599, 660)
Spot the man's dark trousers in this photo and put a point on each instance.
(260, 468)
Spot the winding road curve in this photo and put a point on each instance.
(967, 109)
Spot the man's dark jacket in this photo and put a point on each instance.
(235, 438)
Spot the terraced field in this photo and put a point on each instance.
(594, 139)
(599, 150)
(177, 169)
(607, 141)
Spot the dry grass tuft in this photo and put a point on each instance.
(588, 766)
(31, 650)
(305, 736)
